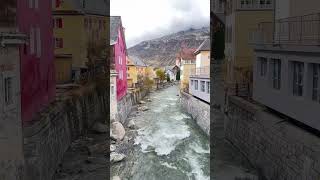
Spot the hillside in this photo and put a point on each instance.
(162, 51)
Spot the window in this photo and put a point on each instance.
(298, 78)
(38, 32)
(83, 3)
(208, 87)
(58, 23)
(112, 90)
(262, 63)
(57, 3)
(32, 48)
(120, 60)
(202, 83)
(196, 84)
(192, 82)
(315, 82)
(276, 73)
(58, 43)
(8, 95)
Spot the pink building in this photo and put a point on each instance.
(37, 68)
(119, 54)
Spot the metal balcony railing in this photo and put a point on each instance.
(300, 30)
(202, 71)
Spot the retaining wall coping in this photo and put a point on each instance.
(253, 108)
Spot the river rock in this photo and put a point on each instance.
(112, 148)
(116, 157)
(142, 102)
(117, 131)
(149, 100)
(116, 178)
(143, 108)
(131, 124)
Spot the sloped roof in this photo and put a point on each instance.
(186, 53)
(136, 61)
(115, 23)
(205, 46)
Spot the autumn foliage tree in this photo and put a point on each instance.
(161, 74)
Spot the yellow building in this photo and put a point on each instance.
(241, 17)
(135, 71)
(75, 26)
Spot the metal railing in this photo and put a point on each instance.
(202, 71)
(250, 4)
(300, 30)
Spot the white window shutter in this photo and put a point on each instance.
(32, 50)
(30, 3)
(36, 4)
(38, 42)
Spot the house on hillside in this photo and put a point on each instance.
(77, 26)
(169, 71)
(186, 60)
(38, 84)
(286, 66)
(200, 75)
(119, 54)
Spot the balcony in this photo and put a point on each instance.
(300, 30)
(203, 72)
(255, 4)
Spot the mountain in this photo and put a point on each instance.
(162, 51)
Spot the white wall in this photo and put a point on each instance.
(113, 96)
(198, 93)
(303, 108)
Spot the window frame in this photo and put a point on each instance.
(196, 83)
(315, 92)
(263, 66)
(208, 86)
(3, 76)
(202, 86)
(297, 78)
(276, 73)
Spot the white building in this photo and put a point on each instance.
(113, 95)
(286, 75)
(11, 136)
(200, 76)
(169, 71)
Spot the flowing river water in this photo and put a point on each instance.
(169, 145)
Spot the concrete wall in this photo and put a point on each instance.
(46, 141)
(278, 149)
(199, 111)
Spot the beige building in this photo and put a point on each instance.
(199, 83)
(286, 76)
(241, 17)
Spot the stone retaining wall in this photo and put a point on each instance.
(46, 141)
(278, 149)
(199, 110)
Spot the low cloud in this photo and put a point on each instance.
(170, 17)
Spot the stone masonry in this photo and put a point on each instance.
(278, 149)
(47, 140)
(199, 110)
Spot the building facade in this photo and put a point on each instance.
(37, 66)
(11, 135)
(135, 72)
(119, 54)
(286, 64)
(113, 95)
(89, 19)
(241, 17)
(187, 61)
(199, 83)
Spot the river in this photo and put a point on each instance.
(168, 145)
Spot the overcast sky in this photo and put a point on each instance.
(148, 19)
